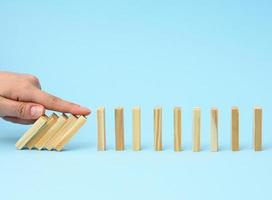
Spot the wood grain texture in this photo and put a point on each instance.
(20, 144)
(58, 135)
(177, 129)
(50, 122)
(43, 142)
(234, 129)
(136, 129)
(101, 129)
(70, 132)
(158, 129)
(119, 128)
(257, 129)
(196, 129)
(214, 129)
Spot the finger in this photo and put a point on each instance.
(57, 104)
(19, 121)
(22, 110)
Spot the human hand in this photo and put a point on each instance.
(22, 100)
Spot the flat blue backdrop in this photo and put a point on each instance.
(144, 53)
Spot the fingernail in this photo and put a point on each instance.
(85, 108)
(36, 111)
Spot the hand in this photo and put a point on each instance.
(22, 100)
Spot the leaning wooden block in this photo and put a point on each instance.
(70, 132)
(257, 129)
(31, 132)
(58, 135)
(158, 129)
(119, 129)
(101, 129)
(196, 129)
(43, 142)
(51, 120)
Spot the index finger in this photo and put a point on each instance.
(52, 102)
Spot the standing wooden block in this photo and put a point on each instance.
(119, 129)
(214, 130)
(177, 129)
(158, 129)
(257, 129)
(234, 129)
(101, 129)
(136, 129)
(196, 129)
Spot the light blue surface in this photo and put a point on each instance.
(146, 53)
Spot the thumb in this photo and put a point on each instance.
(21, 110)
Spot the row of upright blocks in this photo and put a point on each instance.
(177, 115)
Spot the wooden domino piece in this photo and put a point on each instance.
(31, 132)
(101, 129)
(234, 129)
(43, 142)
(136, 129)
(257, 129)
(177, 129)
(51, 120)
(196, 129)
(158, 129)
(70, 132)
(214, 129)
(119, 129)
(58, 135)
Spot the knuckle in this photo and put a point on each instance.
(21, 109)
(54, 99)
(32, 78)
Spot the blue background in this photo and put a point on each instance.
(146, 53)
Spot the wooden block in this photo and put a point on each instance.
(158, 129)
(51, 144)
(257, 129)
(101, 129)
(234, 129)
(214, 130)
(136, 129)
(119, 129)
(70, 132)
(196, 129)
(43, 142)
(177, 129)
(31, 132)
(51, 120)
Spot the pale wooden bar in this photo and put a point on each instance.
(196, 129)
(257, 129)
(177, 129)
(28, 135)
(234, 129)
(101, 129)
(158, 129)
(136, 129)
(214, 130)
(119, 129)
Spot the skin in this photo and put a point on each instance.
(22, 100)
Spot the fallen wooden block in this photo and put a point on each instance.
(50, 132)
